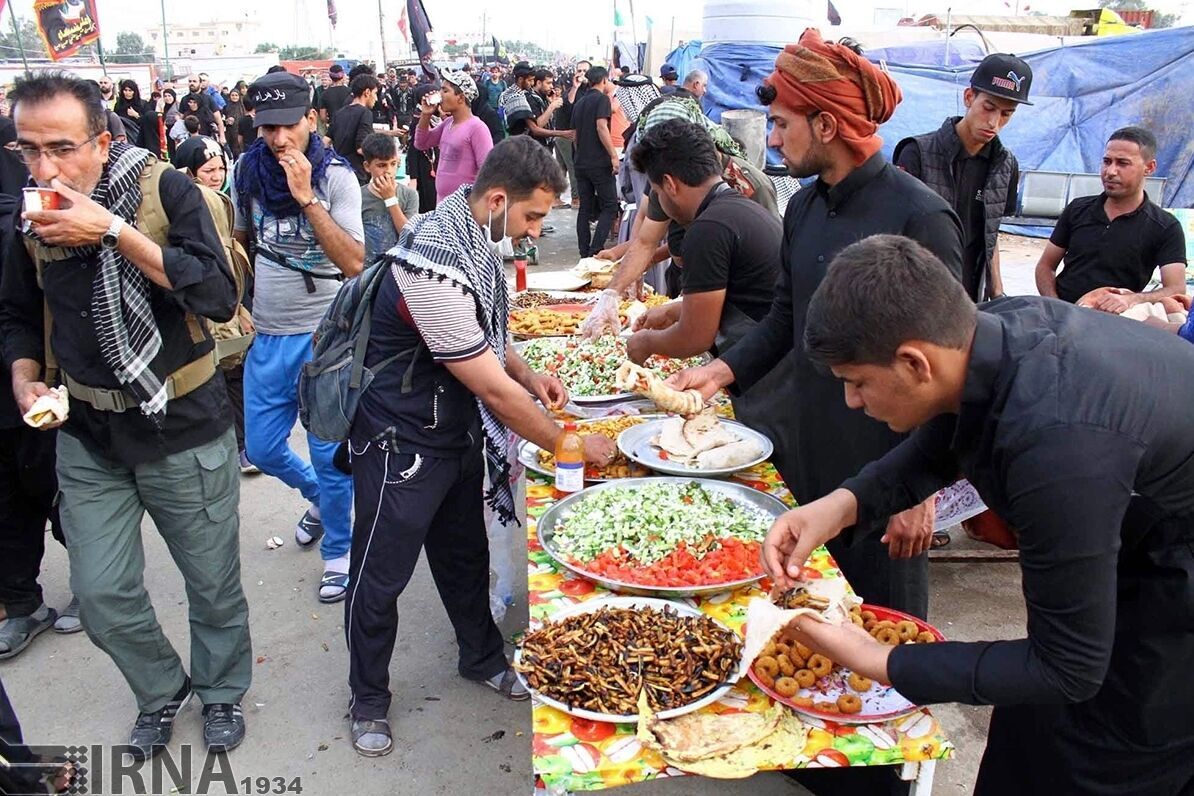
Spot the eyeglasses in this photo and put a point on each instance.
(30, 155)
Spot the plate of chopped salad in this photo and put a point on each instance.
(587, 367)
(661, 536)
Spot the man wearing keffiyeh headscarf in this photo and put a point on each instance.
(149, 429)
(826, 102)
(436, 421)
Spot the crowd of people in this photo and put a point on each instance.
(881, 275)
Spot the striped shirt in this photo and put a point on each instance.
(444, 315)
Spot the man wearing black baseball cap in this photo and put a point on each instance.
(300, 203)
(967, 164)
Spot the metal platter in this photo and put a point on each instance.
(738, 492)
(635, 444)
(591, 606)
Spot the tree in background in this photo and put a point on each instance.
(1159, 20)
(303, 53)
(130, 49)
(266, 47)
(29, 37)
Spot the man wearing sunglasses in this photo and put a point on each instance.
(149, 428)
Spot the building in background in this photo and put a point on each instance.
(236, 36)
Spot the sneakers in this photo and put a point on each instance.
(68, 618)
(308, 532)
(246, 466)
(152, 731)
(223, 727)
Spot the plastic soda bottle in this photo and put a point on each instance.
(570, 461)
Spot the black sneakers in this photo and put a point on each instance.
(152, 731)
(223, 727)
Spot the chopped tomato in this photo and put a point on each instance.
(730, 560)
(663, 455)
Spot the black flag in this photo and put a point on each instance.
(420, 26)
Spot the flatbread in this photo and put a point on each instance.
(54, 407)
(764, 619)
(725, 746)
(705, 433)
(671, 439)
(732, 455)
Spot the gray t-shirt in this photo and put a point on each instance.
(281, 303)
(380, 234)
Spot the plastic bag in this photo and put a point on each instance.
(604, 317)
(507, 541)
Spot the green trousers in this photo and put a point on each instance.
(192, 498)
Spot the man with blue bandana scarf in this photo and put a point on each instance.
(298, 205)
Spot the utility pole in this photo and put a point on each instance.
(20, 42)
(381, 26)
(166, 42)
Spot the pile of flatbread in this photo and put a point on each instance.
(705, 443)
(725, 746)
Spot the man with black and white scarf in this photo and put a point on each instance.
(434, 421)
(149, 429)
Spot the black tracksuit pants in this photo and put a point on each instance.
(28, 485)
(405, 503)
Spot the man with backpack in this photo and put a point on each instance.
(298, 206)
(445, 388)
(122, 294)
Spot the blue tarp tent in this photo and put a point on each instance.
(1081, 94)
(685, 58)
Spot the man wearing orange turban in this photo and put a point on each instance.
(815, 76)
(826, 102)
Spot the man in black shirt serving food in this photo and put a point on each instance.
(827, 127)
(731, 250)
(1112, 243)
(1075, 429)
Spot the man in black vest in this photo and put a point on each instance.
(967, 164)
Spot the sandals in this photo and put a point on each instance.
(18, 632)
(371, 737)
(312, 527)
(509, 686)
(333, 580)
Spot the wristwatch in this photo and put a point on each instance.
(110, 238)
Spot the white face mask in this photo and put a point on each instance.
(504, 242)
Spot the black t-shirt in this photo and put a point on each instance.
(538, 106)
(1119, 253)
(564, 114)
(244, 126)
(970, 179)
(733, 244)
(334, 98)
(350, 127)
(590, 152)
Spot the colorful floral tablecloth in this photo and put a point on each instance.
(571, 754)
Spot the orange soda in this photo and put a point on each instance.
(570, 461)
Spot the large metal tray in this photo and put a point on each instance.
(591, 606)
(545, 528)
